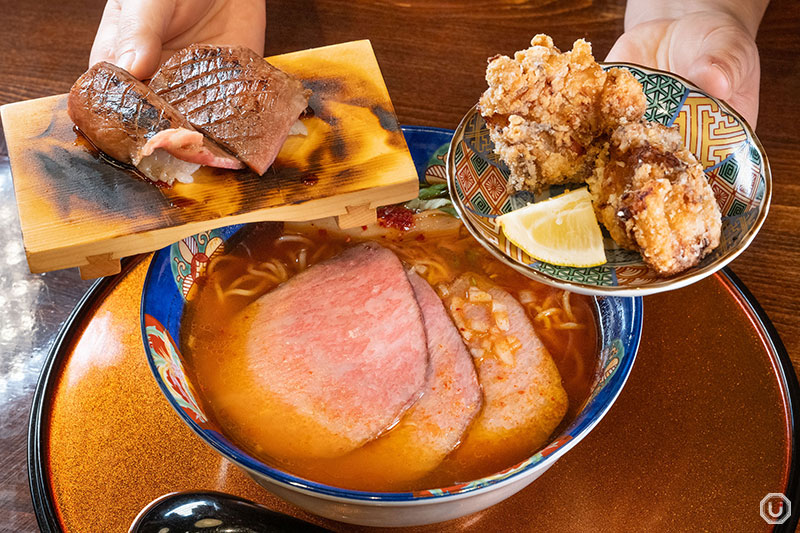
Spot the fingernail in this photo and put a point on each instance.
(126, 60)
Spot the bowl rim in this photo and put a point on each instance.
(678, 281)
(610, 391)
(46, 502)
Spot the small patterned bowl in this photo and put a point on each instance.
(731, 154)
(175, 269)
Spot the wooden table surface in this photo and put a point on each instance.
(432, 53)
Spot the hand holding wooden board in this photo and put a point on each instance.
(76, 209)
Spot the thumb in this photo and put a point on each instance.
(140, 31)
(727, 67)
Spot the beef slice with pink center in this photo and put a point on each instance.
(436, 423)
(338, 353)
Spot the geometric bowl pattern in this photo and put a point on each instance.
(175, 269)
(733, 161)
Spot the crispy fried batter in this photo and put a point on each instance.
(546, 109)
(651, 194)
(558, 117)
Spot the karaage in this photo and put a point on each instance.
(651, 194)
(545, 110)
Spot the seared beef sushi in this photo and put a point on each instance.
(125, 119)
(235, 97)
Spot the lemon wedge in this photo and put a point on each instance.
(561, 231)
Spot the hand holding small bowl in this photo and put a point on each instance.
(731, 155)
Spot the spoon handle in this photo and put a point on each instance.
(213, 512)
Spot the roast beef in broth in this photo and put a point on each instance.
(523, 397)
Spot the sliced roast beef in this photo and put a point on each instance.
(128, 121)
(341, 349)
(434, 426)
(235, 97)
(524, 400)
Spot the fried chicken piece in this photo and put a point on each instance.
(545, 110)
(651, 194)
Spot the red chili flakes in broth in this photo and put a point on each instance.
(396, 216)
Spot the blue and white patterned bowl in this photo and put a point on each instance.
(176, 268)
(732, 157)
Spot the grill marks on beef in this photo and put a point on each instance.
(230, 93)
(178, 92)
(118, 113)
(128, 121)
(235, 97)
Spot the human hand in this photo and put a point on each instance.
(138, 35)
(712, 49)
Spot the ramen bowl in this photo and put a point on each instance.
(175, 270)
(731, 155)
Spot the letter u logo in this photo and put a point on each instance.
(771, 512)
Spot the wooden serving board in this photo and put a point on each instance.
(77, 209)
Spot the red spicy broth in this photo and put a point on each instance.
(439, 249)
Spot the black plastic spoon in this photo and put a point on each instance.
(213, 512)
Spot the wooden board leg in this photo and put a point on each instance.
(360, 215)
(99, 266)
